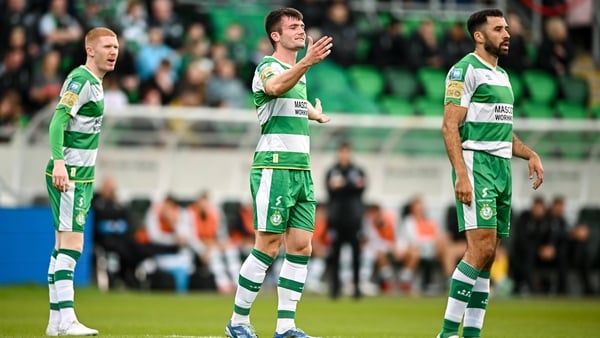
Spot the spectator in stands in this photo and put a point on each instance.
(572, 248)
(423, 47)
(236, 45)
(15, 74)
(151, 56)
(163, 16)
(339, 26)
(166, 233)
(11, 109)
(209, 240)
(312, 10)
(195, 80)
(556, 51)
(345, 184)
(47, 80)
(59, 30)
(320, 247)
(425, 234)
(92, 16)
(114, 96)
(163, 80)
(380, 242)
(113, 237)
(134, 25)
(518, 58)
(196, 48)
(529, 247)
(16, 14)
(126, 71)
(388, 47)
(455, 44)
(225, 89)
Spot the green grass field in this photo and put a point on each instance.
(23, 313)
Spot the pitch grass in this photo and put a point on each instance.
(23, 313)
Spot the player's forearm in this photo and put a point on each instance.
(454, 148)
(56, 134)
(283, 82)
(519, 149)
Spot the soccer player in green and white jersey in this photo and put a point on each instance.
(74, 132)
(280, 180)
(479, 138)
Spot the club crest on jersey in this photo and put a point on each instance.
(486, 212)
(276, 218)
(80, 218)
(455, 74)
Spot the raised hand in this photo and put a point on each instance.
(318, 51)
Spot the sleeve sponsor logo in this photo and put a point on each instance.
(69, 99)
(454, 89)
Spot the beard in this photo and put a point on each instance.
(497, 51)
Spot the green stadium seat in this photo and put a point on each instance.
(536, 110)
(393, 105)
(571, 110)
(428, 107)
(517, 86)
(367, 80)
(359, 103)
(574, 89)
(401, 82)
(595, 112)
(433, 81)
(541, 86)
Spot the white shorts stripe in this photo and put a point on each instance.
(65, 218)
(262, 198)
(80, 157)
(283, 143)
(469, 211)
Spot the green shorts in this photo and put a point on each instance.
(491, 179)
(282, 198)
(70, 208)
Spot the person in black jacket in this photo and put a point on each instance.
(345, 185)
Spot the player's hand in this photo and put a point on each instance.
(60, 177)
(316, 52)
(536, 168)
(317, 113)
(463, 190)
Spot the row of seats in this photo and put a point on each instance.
(365, 89)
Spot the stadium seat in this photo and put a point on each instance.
(536, 110)
(432, 81)
(541, 86)
(574, 89)
(396, 106)
(366, 80)
(595, 112)
(517, 85)
(360, 103)
(571, 110)
(427, 107)
(401, 83)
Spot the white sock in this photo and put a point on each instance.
(289, 290)
(54, 318)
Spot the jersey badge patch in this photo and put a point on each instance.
(454, 89)
(73, 87)
(455, 74)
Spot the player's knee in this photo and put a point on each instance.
(303, 248)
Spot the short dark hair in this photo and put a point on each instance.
(273, 20)
(478, 19)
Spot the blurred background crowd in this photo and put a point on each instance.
(203, 54)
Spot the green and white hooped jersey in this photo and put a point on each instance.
(284, 142)
(487, 94)
(82, 97)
